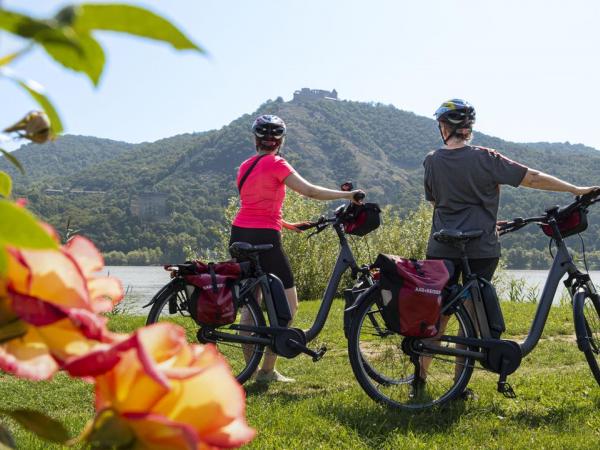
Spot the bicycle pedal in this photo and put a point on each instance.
(506, 389)
(319, 354)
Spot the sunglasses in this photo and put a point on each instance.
(263, 131)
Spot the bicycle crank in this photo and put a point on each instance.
(290, 342)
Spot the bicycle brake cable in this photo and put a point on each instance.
(583, 252)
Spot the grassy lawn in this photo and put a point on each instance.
(558, 403)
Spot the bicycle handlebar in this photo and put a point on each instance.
(556, 213)
(359, 196)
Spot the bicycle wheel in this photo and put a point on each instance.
(373, 349)
(586, 309)
(171, 305)
(378, 372)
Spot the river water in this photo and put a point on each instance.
(142, 282)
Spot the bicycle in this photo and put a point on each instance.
(437, 370)
(243, 342)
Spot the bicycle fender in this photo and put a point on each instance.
(578, 301)
(160, 292)
(361, 298)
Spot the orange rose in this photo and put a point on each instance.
(49, 302)
(160, 392)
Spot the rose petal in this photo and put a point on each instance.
(85, 253)
(91, 325)
(49, 275)
(127, 387)
(66, 340)
(236, 434)
(27, 357)
(33, 310)
(105, 293)
(221, 403)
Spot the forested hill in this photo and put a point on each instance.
(102, 187)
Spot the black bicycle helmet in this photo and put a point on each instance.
(457, 113)
(269, 132)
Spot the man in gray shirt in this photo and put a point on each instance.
(463, 184)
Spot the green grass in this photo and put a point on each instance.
(558, 403)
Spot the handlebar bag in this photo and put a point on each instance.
(411, 293)
(213, 296)
(573, 223)
(362, 219)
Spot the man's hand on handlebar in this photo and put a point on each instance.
(582, 190)
(357, 196)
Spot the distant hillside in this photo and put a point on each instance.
(379, 147)
(62, 158)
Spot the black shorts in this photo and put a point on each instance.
(484, 267)
(274, 261)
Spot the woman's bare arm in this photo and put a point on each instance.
(540, 180)
(303, 187)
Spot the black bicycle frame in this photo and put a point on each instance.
(561, 265)
(344, 261)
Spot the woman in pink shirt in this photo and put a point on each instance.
(262, 181)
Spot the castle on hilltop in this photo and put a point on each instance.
(315, 94)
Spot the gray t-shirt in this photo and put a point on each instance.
(464, 185)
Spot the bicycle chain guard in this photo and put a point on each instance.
(289, 343)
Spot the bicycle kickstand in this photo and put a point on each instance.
(503, 386)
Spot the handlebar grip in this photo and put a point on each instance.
(359, 196)
(306, 226)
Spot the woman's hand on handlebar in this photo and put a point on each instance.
(297, 227)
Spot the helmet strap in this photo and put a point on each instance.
(442, 134)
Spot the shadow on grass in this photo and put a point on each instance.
(284, 392)
(557, 417)
(374, 422)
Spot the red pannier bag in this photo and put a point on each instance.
(213, 299)
(411, 294)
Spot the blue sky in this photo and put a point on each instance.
(529, 67)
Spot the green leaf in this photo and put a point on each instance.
(36, 91)
(39, 423)
(13, 160)
(5, 184)
(110, 431)
(87, 58)
(20, 228)
(6, 439)
(9, 58)
(39, 31)
(132, 20)
(20, 24)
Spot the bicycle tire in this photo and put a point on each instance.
(243, 358)
(379, 325)
(586, 312)
(381, 350)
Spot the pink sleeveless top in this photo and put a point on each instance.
(263, 192)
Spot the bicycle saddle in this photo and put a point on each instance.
(451, 236)
(241, 249)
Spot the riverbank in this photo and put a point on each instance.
(142, 282)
